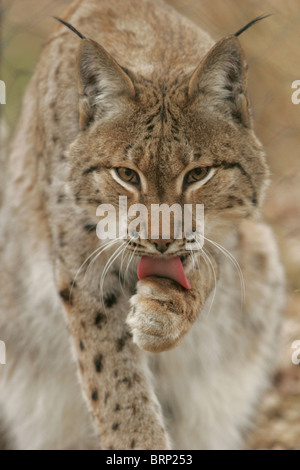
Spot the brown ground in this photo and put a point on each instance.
(272, 48)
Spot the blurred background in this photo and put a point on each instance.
(272, 48)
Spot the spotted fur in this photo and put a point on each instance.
(155, 93)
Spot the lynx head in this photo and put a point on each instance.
(174, 139)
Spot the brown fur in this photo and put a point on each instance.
(142, 101)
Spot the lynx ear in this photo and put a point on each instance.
(103, 84)
(222, 78)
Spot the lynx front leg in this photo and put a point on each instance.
(162, 311)
(113, 372)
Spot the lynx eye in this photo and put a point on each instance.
(197, 174)
(128, 175)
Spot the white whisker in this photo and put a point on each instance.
(104, 248)
(107, 266)
(207, 259)
(227, 254)
(80, 268)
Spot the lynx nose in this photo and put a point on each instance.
(161, 244)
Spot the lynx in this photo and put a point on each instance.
(142, 104)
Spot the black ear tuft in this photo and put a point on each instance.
(68, 25)
(251, 23)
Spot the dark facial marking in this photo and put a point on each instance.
(121, 341)
(94, 201)
(197, 155)
(230, 165)
(95, 395)
(91, 169)
(149, 120)
(136, 378)
(115, 426)
(100, 320)
(254, 199)
(120, 344)
(81, 345)
(65, 295)
(110, 300)
(90, 227)
(98, 361)
(126, 380)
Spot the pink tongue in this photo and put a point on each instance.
(169, 267)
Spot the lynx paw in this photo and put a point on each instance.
(159, 316)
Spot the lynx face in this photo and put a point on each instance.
(174, 140)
